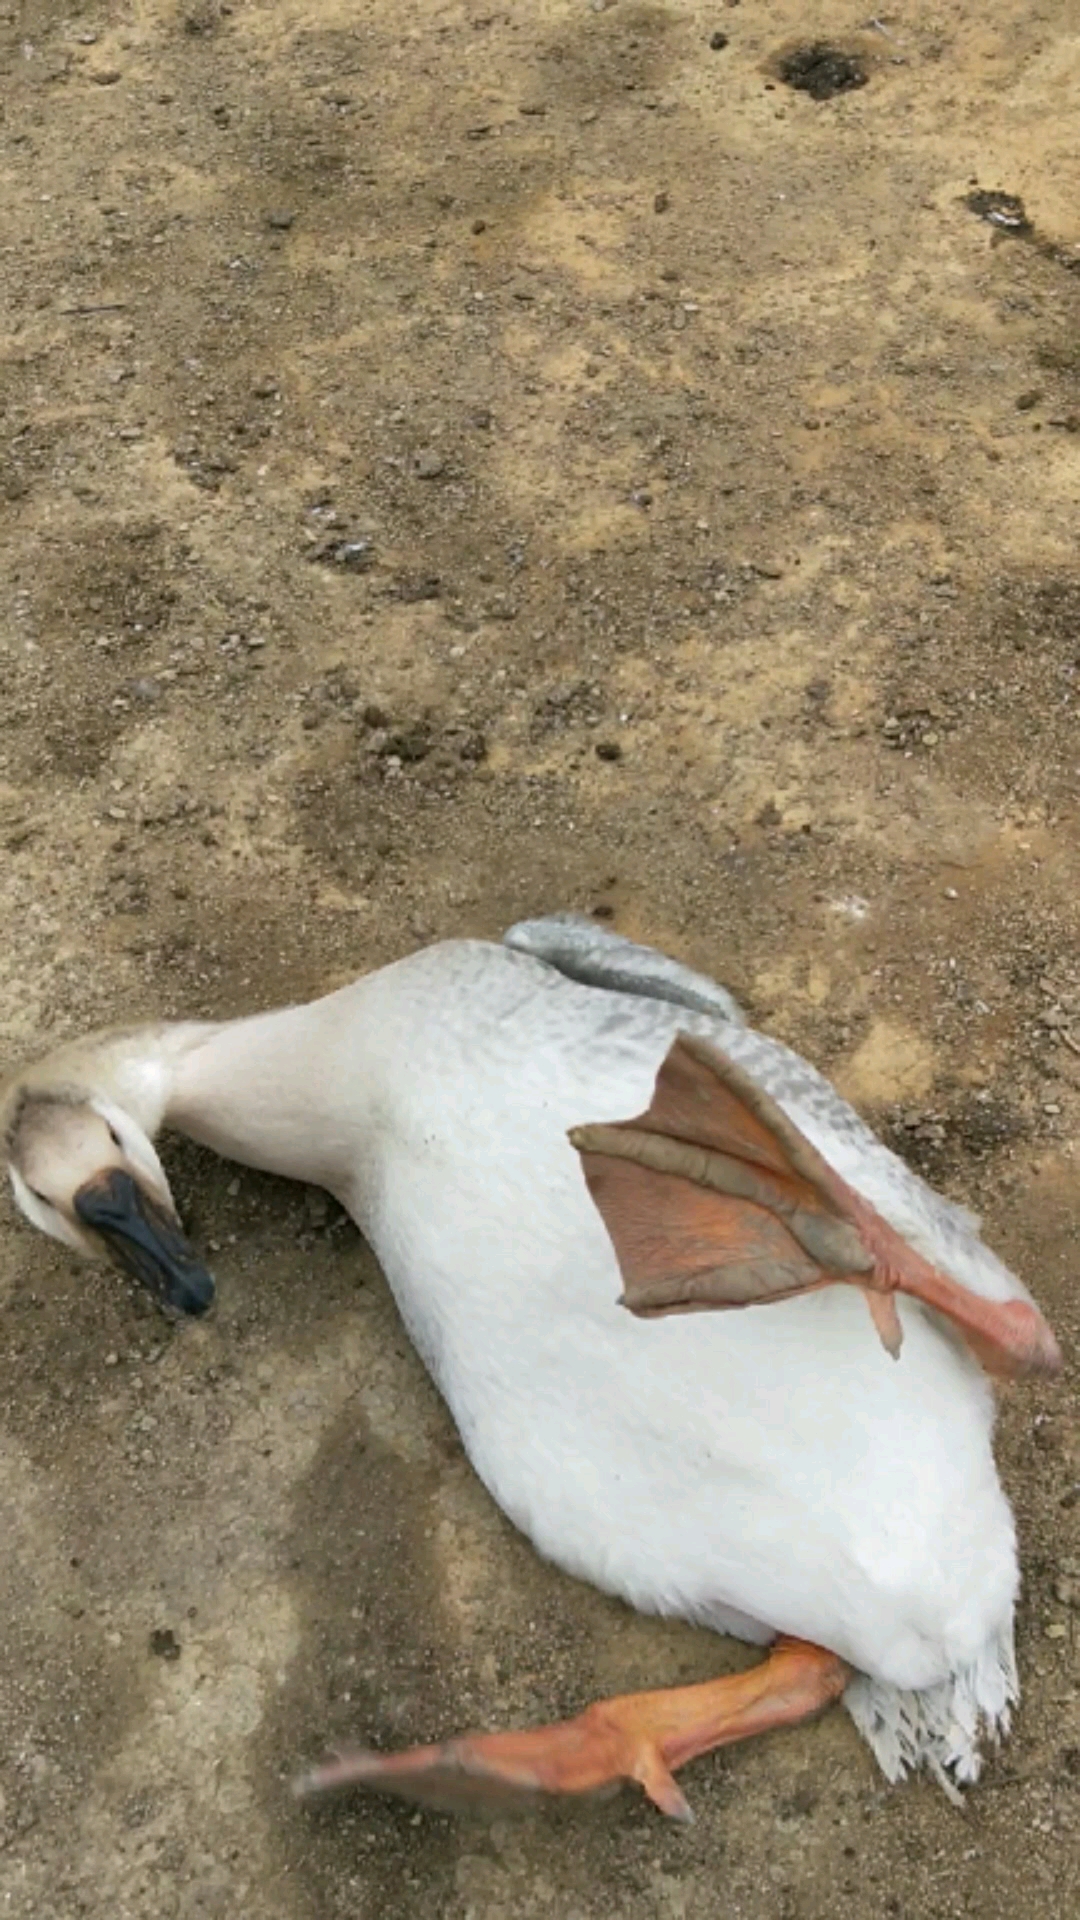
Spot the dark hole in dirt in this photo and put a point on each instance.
(822, 71)
(1004, 210)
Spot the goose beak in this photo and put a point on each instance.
(146, 1239)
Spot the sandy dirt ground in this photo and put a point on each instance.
(460, 461)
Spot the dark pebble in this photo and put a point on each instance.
(416, 587)
(164, 1644)
(718, 41)
(355, 556)
(1004, 210)
(608, 750)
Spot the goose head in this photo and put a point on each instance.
(83, 1169)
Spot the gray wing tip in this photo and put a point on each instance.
(597, 956)
(547, 933)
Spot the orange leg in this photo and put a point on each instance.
(634, 1736)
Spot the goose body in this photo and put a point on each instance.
(764, 1472)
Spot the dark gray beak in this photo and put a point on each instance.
(146, 1239)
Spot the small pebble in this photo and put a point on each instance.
(608, 750)
(280, 222)
(661, 202)
(428, 464)
(718, 41)
(356, 556)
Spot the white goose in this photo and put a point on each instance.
(772, 1474)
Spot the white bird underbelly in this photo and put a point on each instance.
(765, 1471)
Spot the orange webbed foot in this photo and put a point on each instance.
(714, 1199)
(637, 1737)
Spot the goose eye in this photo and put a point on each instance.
(115, 1137)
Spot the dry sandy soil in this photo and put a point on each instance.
(460, 461)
